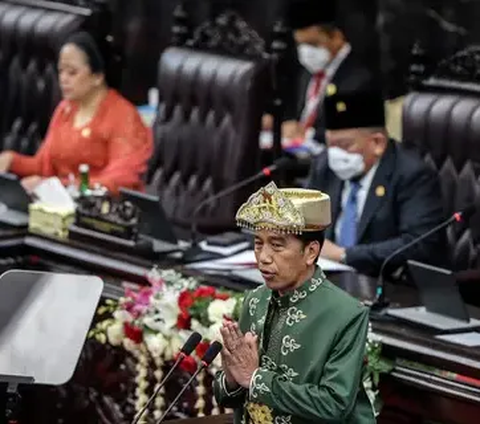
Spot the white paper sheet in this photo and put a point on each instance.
(469, 339)
(224, 250)
(51, 192)
(246, 259)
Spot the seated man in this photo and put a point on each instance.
(297, 354)
(326, 57)
(383, 196)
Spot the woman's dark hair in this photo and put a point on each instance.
(311, 236)
(85, 42)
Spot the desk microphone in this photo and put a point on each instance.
(194, 252)
(380, 301)
(207, 359)
(185, 351)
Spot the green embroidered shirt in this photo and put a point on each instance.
(311, 347)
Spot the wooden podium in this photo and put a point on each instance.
(211, 419)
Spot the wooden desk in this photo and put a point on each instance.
(412, 394)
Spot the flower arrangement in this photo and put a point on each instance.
(375, 365)
(153, 323)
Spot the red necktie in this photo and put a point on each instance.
(313, 93)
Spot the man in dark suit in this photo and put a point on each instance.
(326, 58)
(383, 196)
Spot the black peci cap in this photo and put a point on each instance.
(359, 109)
(306, 13)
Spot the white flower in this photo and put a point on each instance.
(167, 305)
(164, 320)
(156, 344)
(115, 334)
(374, 338)
(177, 340)
(219, 308)
(216, 364)
(122, 316)
(199, 328)
(213, 332)
(130, 345)
(157, 324)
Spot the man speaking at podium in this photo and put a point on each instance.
(297, 354)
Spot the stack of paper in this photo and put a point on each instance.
(224, 250)
(246, 259)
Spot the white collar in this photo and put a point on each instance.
(337, 60)
(366, 180)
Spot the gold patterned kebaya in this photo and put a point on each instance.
(291, 210)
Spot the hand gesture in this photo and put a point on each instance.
(5, 161)
(239, 354)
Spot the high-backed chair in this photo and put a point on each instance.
(442, 119)
(206, 133)
(30, 36)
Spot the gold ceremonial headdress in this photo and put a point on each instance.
(287, 210)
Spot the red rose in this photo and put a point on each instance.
(133, 332)
(222, 296)
(204, 291)
(183, 320)
(185, 300)
(189, 365)
(201, 349)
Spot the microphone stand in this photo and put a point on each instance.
(140, 413)
(185, 386)
(380, 302)
(195, 253)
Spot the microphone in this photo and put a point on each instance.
(380, 301)
(194, 253)
(207, 359)
(185, 351)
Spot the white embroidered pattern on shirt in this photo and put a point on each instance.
(283, 419)
(288, 372)
(289, 345)
(294, 316)
(268, 363)
(258, 387)
(298, 295)
(316, 283)
(252, 305)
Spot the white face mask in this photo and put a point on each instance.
(314, 59)
(345, 165)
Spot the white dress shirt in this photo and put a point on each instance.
(365, 183)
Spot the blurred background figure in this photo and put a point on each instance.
(93, 125)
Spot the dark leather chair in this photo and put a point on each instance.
(29, 40)
(445, 126)
(206, 133)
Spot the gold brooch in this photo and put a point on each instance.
(331, 89)
(380, 191)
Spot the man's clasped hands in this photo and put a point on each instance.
(239, 355)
